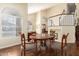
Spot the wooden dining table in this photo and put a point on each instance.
(42, 38)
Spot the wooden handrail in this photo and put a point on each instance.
(59, 14)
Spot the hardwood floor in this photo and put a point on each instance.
(16, 51)
(11, 51)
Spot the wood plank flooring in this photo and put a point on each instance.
(16, 51)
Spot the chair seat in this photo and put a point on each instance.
(57, 45)
(29, 42)
(29, 46)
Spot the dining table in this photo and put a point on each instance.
(42, 38)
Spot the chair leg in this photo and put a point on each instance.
(62, 52)
(56, 52)
(23, 53)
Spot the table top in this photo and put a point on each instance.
(41, 37)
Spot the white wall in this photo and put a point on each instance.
(71, 31)
(57, 29)
(64, 30)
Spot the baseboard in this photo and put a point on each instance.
(7, 46)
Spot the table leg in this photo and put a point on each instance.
(50, 47)
(36, 48)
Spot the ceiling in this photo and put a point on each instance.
(35, 7)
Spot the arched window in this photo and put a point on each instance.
(11, 22)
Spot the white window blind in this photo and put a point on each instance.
(11, 25)
(10, 22)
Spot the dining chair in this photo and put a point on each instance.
(60, 47)
(38, 46)
(27, 47)
(31, 34)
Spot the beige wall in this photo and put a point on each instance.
(54, 10)
(41, 19)
(57, 29)
(44, 19)
(32, 19)
(40, 15)
(71, 31)
(77, 9)
(64, 30)
(22, 9)
(38, 23)
(37, 19)
(57, 9)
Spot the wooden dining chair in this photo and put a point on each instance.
(26, 46)
(31, 34)
(38, 47)
(64, 43)
(61, 46)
